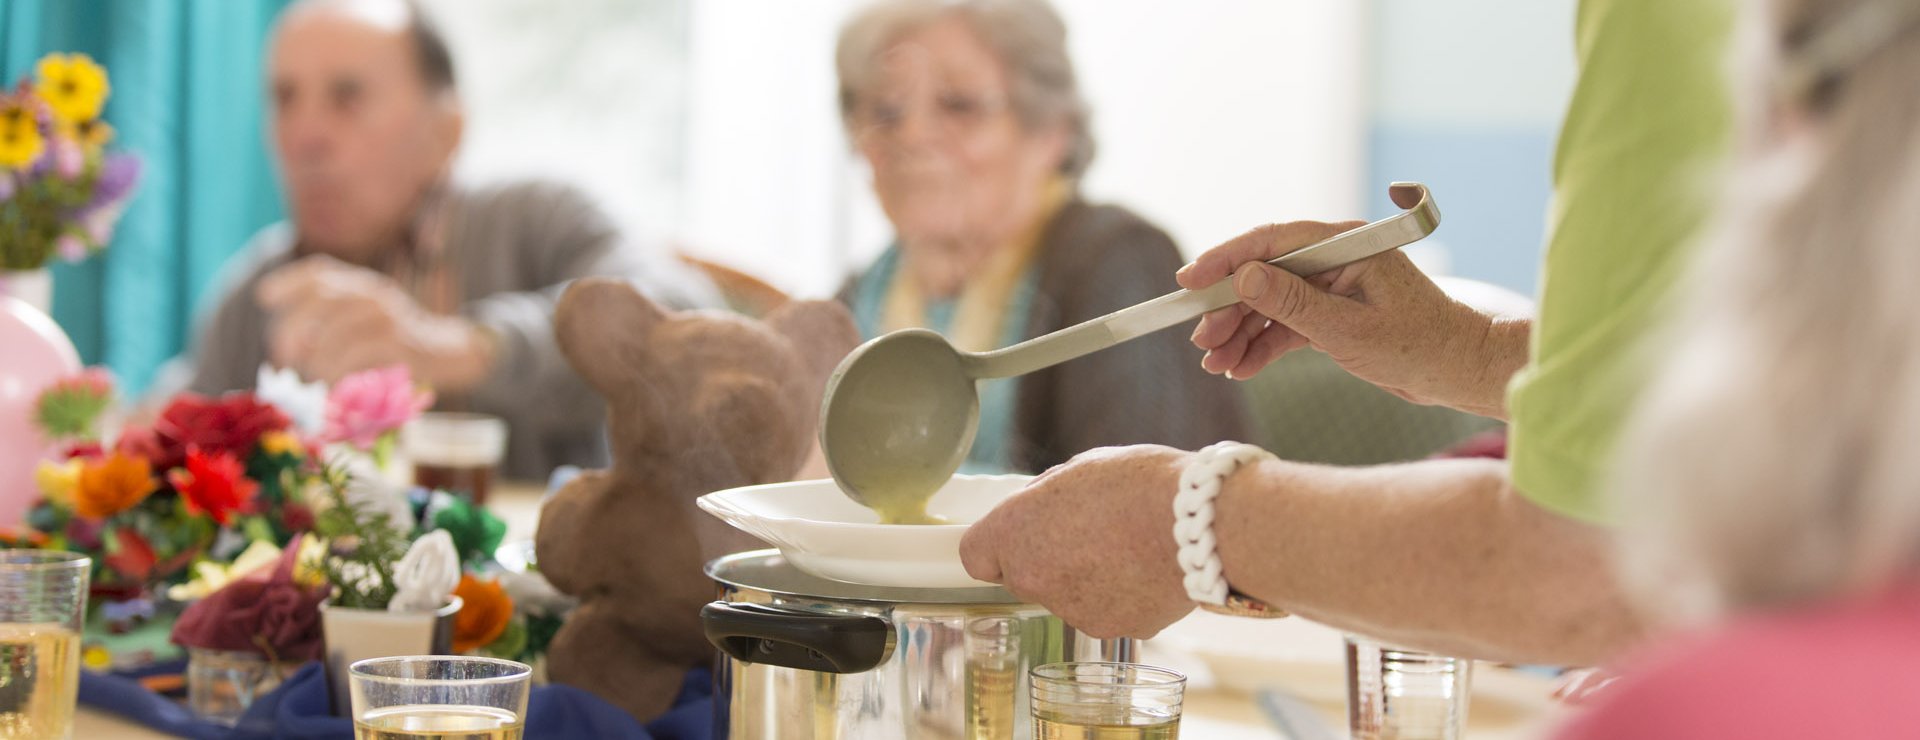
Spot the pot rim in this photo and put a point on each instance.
(824, 589)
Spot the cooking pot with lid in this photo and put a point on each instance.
(806, 658)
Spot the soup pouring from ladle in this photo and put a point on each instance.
(901, 411)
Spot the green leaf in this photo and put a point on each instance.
(257, 529)
(476, 532)
(511, 642)
(358, 540)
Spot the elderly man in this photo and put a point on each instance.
(384, 261)
(1469, 557)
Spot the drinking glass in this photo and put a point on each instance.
(423, 697)
(1106, 701)
(1393, 692)
(43, 600)
(455, 452)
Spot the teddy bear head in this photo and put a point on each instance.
(703, 400)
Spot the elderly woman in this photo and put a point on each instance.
(1772, 476)
(971, 120)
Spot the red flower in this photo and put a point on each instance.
(141, 442)
(215, 484)
(133, 557)
(232, 424)
(296, 517)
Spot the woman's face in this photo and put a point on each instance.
(950, 158)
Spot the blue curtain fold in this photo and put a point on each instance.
(187, 97)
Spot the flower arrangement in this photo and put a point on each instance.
(236, 505)
(61, 192)
(203, 480)
(504, 614)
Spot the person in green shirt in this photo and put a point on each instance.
(1465, 557)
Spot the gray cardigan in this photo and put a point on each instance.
(514, 247)
(1094, 260)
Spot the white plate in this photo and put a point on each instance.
(824, 533)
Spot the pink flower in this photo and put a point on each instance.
(68, 159)
(71, 248)
(370, 403)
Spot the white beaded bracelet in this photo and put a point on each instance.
(1199, 559)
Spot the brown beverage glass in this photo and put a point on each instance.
(455, 452)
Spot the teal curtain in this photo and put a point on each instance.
(187, 98)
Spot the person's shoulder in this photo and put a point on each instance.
(1835, 670)
(268, 249)
(1108, 237)
(1082, 222)
(524, 196)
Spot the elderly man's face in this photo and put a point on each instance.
(358, 135)
(950, 158)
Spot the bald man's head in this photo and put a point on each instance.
(365, 120)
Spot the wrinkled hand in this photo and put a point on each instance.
(1380, 318)
(1092, 541)
(332, 319)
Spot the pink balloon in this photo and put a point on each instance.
(34, 353)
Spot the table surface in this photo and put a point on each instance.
(1229, 662)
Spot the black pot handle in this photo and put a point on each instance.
(792, 638)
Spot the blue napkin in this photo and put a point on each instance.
(298, 710)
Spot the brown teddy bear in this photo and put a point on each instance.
(698, 401)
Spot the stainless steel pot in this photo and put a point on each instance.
(805, 658)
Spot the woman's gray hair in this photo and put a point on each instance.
(1027, 36)
(1777, 458)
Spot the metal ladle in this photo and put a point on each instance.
(901, 411)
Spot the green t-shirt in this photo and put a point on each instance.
(1634, 180)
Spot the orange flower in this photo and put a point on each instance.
(112, 484)
(483, 615)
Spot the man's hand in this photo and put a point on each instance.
(1092, 541)
(332, 319)
(1380, 318)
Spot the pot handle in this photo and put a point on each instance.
(793, 638)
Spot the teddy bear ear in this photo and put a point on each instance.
(602, 325)
(822, 333)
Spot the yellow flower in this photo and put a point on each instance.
(96, 657)
(281, 443)
(20, 140)
(209, 577)
(73, 86)
(92, 136)
(309, 566)
(56, 481)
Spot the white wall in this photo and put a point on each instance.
(590, 92)
(713, 122)
(1213, 116)
(1467, 95)
(1472, 64)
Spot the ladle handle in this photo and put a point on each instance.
(1420, 217)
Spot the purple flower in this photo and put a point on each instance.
(71, 248)
(118, 175)
(6, 186)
